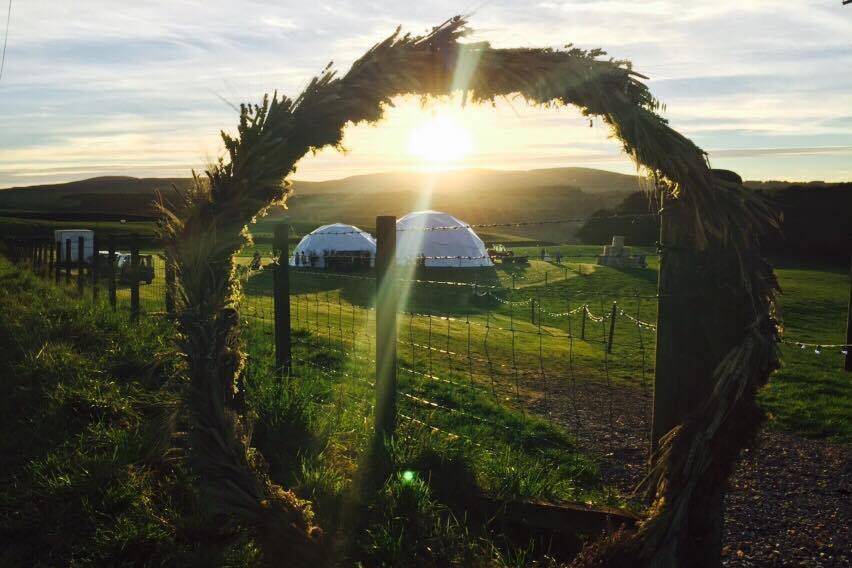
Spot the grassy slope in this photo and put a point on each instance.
(315, 432)
(84, 477)
(80, 484)
(810, 395)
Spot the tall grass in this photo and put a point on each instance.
(314, 429)
(88, 419)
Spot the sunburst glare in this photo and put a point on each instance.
(440, 140)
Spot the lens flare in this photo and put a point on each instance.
(440, 140)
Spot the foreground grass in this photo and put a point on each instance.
(93, 473)
(87, 407)
(428, 507)
(811, 395)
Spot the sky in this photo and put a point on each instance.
(121, 87)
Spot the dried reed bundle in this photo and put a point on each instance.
(207, 227)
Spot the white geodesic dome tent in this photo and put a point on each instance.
(452, 244)
(330, 244)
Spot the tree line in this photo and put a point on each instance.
(817, 220)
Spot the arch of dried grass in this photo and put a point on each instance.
(207, 227)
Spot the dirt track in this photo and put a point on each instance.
(788, 502)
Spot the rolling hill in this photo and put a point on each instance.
(475, 195)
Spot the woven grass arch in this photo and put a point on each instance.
(207, 227)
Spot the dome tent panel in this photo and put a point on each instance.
(335, 245)
(451, 243)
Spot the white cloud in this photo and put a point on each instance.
(101, 84)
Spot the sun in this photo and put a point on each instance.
(440, 140)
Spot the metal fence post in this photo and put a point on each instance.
(583, 323)
(612, 315)
(386, 307)
(281, 298)
(81, 266)
(111, 272)
(134, 278)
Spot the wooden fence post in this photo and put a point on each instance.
(848, 365)
(57, 265)
(583, 323)
(94, 268)
(532, 311)
(111, 272)
(134, 278)
(281, 298)
(170, 284)
(67, 261)
(81, 266)
(704, 312)
(386, 307)
(50, 252)
(611, 328)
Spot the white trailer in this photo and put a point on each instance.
(63, 235)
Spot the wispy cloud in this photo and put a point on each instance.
(138, 88)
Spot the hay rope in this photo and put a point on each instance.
(206, 227)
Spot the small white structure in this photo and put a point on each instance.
(63, 235)
(456, 246)
(615, 255)
(335, 246)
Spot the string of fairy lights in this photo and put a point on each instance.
(819, 348)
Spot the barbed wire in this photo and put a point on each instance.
(504, 224)
(529, 223)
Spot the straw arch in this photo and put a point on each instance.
(207, 227)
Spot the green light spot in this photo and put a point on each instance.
(408, 476)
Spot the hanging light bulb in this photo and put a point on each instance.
(845, 351)
(817, 350)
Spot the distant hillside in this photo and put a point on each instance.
(588, 179)
(477, 196)
(114, 195)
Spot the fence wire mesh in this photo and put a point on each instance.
(486, 355)
(483, 350)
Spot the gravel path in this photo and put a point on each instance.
(789, 505)
(788, 502)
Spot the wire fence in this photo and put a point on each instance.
(484, 353)
(483, 348)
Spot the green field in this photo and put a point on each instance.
(499, 398)
(469, 333)
(811, 394)
(105, 395)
